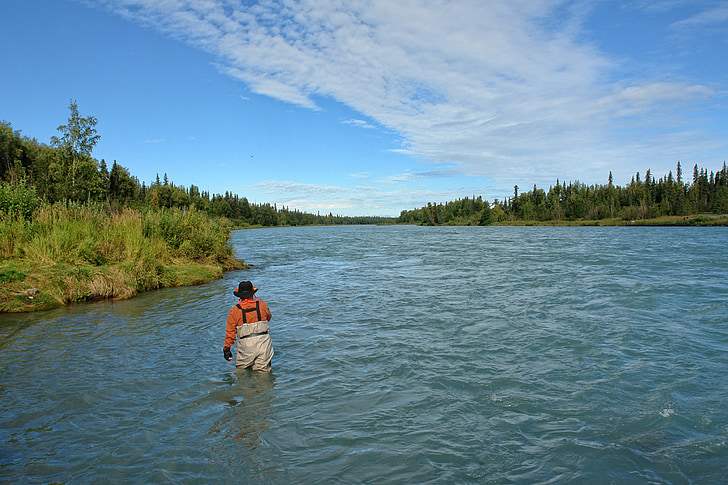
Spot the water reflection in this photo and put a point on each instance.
(250, 399)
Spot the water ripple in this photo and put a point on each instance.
(403, 354)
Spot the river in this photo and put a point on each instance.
(403, 355)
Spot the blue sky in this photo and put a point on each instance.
(373, 107)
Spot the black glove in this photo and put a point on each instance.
(227, 354)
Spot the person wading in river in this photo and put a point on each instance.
(247, 325)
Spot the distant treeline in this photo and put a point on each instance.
(643, 198)
(65, 171)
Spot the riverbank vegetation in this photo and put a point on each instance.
(669, 200)
(72, 253)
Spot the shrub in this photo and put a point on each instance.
(19, 199)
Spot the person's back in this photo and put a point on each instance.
(247, 326)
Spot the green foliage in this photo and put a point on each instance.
(497, 214)
(486, 217)
(75, 173)
(190, 234)
(640, 199)
(10, 275)
(78, 135)
(468, 211)
(18, 200)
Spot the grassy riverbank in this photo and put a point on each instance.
(668, 221)
(65, 255)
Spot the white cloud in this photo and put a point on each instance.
(504, 88)
(657, 6)
(717, 14)
(358, 123)
(636, 99)
(410, 175)
(272, 87)
(298, 187)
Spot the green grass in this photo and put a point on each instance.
(9, 275)
(691, 220)
(72, 254)
(245, 225)
(563, 222)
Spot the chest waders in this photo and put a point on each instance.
(254, 347)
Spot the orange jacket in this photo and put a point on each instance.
(235, 317)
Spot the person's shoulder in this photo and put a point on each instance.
(262, 302)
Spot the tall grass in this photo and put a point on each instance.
(92, 235)
(82, 252)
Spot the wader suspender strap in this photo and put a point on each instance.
(245, 311)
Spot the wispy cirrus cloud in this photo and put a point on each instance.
(506, 88)
(711, 16)
(657, 6)
(358, 123)
(412, 175)
(299, 187)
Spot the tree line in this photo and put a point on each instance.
(645, 197)
(66, 171)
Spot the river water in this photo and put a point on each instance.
(403, 355)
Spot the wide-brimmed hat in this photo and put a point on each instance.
(245, 290)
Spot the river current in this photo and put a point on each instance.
(402, 355)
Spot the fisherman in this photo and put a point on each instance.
(247, 325)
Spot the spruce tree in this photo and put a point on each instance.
(104, 179)
(486, 216)
(679, 173)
